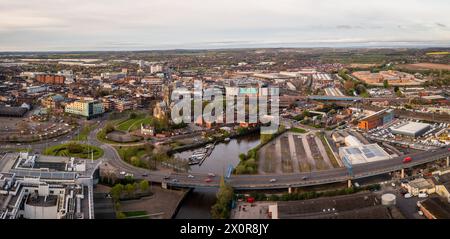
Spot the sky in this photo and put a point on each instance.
(71, 25)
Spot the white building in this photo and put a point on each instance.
(363, 154)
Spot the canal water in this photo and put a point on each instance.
(197, 205)
(223, 155)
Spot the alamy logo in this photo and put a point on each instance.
(234, 105)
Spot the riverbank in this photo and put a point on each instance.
(216, 140)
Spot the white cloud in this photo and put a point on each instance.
(83, 24)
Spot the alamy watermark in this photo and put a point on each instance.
(240, 105)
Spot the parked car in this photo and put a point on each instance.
(208, 180)
(190, 176)
(423, 195)
(408, 195)
(273, 180)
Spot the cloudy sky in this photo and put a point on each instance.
(39, 25)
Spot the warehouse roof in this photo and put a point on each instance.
(411, 128)
(13, 111)
(363, 154)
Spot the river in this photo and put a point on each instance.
(197, 204)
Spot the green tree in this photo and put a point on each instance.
(242, 157)
(116, 191)
(133, 115)
(241, 169)
(129, 188)
(120, 215)
(135, 160)
(109, 128)
(386, 84)
(74, 148)
(144, 185)
(221, 210)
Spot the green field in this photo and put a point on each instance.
(126, 153)
(74, 150)
(132, 124)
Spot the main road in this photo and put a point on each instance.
(245, 182)
(248, 182)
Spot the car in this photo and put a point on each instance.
(166, 177)
(190, 176)
(145, 175)
(393, 185)
(273, 180)
(129, 175)
(175, 180)
(408, 195)
(208, 180)
(304, 177)
(122, 173)
(211, 174)
(407, 160)
(423, 195)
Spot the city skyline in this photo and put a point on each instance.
(198, 24)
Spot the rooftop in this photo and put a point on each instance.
(411, 127)
(364, 153)
(42, 201)
(438, 207)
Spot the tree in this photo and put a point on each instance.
(349, 86)
(143, 185)
(135, 161)
(133, 115)
(74, 148)
(120, 215)
(242, 157)
(129, 188)
(116, 191)
(221, 210)
(240, 169)
(386, 84)
(109, 128)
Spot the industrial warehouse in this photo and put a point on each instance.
(411, 129)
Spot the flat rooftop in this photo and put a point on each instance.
(42, 201)
(364, 153)
(356, 206)
(411, 128)
(437, 206)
